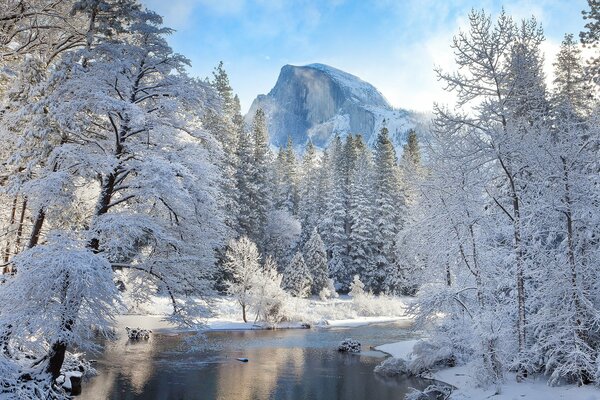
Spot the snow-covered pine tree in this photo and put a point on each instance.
(389, 203)
(290, 178)
(297, 279)
(308, 209)
(361, 210)
(572, 91)
(335, 227)
(226, 126)
(316, 261)
(260, 176)
(246, 186)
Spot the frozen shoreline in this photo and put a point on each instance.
(461, 377)
(340, 312)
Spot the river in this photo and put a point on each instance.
(289, 364)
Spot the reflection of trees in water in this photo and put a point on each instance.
(129, 360)
(258, 379)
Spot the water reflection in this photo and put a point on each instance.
(285, 364)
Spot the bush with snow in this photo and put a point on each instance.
(138, 333)
(392, 367)
(349, 345)
(328, 292)
(267, 299)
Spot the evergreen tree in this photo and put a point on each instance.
(246, 186)
(309, 192)
(389, 204)
(572, 92)
(260, 176)
(411, 152)
(335, 222)
(226, 126)
(290, 179)
(361, 211)
(297, 279)
(316, 261)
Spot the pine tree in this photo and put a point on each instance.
(335, 223)
(389, 204)
(297, 279)
(246, 186)
(226, 126)
(572, 92)
(309, 192)
(361, 210)
(590, 38)
(290, 179)
(411, 152)
(260, 176)
(316, 261)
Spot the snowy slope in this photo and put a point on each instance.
(317, 102)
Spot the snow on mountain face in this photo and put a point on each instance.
(317, 101)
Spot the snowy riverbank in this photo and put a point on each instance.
(340, 312)
(462, 378)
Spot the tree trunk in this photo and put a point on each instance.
(37, 229)
(13, 215)
(244, 313)
(56, 359)
(518, 249)
(521, 372)
(20, 228)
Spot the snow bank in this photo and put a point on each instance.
(463, 378)
(302, 313)
(401, 350)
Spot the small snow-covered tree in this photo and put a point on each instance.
(316, 261)
(267, 297)
(242, 261)
(74, 288)
(297, 279)
(357, 288)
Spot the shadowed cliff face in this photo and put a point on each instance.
(317, 102)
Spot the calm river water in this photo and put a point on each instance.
(289, 364)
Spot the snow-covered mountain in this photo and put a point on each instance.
(317, 101)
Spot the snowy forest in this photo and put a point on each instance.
(122, 177)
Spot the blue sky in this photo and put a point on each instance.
(392, 44)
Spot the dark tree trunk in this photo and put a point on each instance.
(37, 229)
(13, 215)
(20, 228)
(56, 359)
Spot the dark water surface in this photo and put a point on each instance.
(289, 364)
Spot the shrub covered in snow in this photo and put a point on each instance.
(432, 354)
(267, 299)
(392, 367)
(138, 333)
(441, 392)
(328, 292)
(349, 345)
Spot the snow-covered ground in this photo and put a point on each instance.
(462, 378)
(343, 311)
